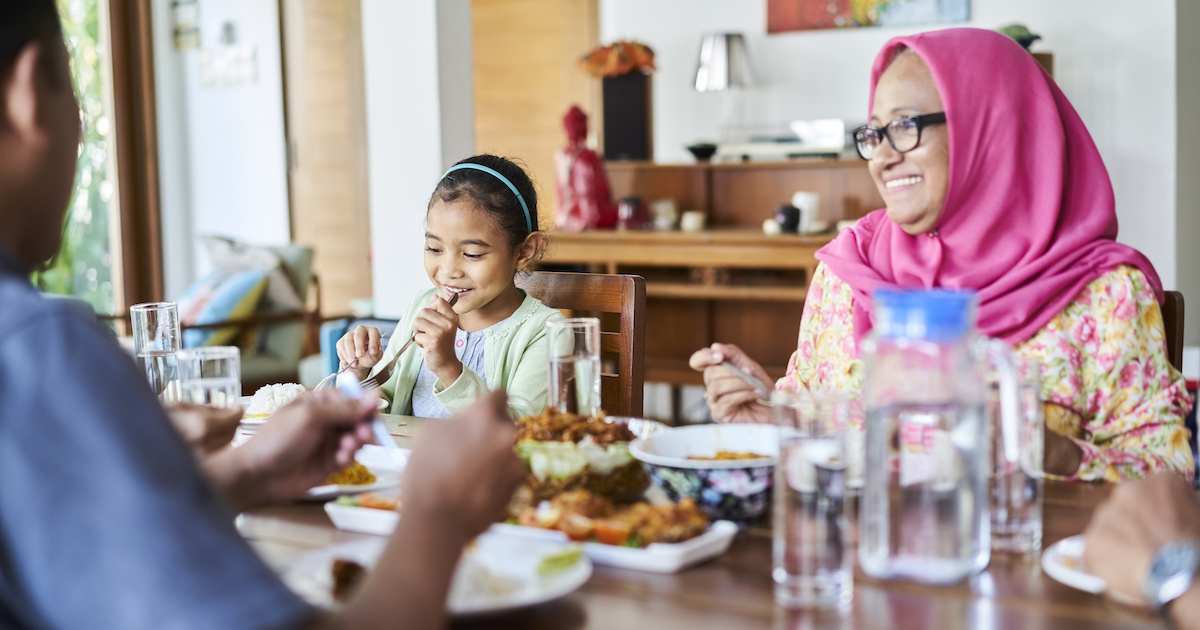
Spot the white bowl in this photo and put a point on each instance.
(673, 446)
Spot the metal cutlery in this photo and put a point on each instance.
(764, 392)
(328, 381)
(382, 376)
(349, 386)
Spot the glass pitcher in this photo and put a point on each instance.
(925, 514)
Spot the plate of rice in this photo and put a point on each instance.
(267, 400)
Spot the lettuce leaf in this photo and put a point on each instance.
(553, 460)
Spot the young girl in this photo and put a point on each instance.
(480, 228)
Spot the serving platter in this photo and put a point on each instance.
(654, 558)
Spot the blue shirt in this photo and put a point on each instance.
(105, 519)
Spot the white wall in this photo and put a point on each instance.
(222, 150)
(417, 124)
(1187, 201)
(1114, 59)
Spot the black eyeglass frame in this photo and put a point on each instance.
(921, 122)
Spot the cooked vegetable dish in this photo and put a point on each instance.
(565, 451)
(585, 516)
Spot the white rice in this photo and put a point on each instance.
(269, 398)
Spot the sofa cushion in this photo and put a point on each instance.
(218, 297)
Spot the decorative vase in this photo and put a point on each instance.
(627, 117)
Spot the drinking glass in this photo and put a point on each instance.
(211, 376)
(812, 562)
(1016, 479)
(574, 349)
(156, 341)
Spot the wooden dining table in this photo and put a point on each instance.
(735, 590)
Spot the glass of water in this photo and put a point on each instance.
(156, 341)
(1016, 481)
(574, 350)
(813, 563)
(211, 376)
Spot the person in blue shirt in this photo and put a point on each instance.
(107, 519)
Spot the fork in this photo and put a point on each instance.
(328, 381)
(383, 375)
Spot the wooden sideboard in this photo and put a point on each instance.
(730, 283)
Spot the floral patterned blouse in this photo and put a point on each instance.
(1106, 380)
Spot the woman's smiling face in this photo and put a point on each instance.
(913, 184)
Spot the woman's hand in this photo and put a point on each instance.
(731, 399)
(363, 344)
(434, 329)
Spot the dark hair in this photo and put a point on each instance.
(22, 22)
(492, 195)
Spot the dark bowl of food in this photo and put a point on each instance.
(703, 151)
(727, 469)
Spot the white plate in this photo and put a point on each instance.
(379, 462)
(674, 446)
(1063, 561)
(655, 558)
(511, 564)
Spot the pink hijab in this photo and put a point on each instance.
(1029, 217)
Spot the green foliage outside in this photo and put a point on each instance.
(83, 267)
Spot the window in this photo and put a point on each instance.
(88, 265)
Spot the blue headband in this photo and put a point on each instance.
(480, 167)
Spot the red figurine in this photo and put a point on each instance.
(584, 200)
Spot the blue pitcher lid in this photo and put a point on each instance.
(933, 314)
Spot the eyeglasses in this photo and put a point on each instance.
(904, 134)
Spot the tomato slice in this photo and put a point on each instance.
(612, 532)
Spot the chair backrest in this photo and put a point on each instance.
(1172, 313)
(620, 393)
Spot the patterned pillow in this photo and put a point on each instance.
(218, 297)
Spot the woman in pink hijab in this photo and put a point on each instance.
(992, 183)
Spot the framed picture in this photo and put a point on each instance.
(806, 15)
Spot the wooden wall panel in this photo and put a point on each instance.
(685, 184)
(526, 78)
(326, 125)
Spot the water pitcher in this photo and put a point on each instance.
(925, 510)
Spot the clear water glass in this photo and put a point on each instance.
(812, 560)
(211, 376)
(156, 342)
(1016, 482)
(574, 351)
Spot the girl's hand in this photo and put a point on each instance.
(730, 399)
(363, 344)
(434, 330)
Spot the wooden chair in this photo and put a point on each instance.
(1172, 313)
(620, 393)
